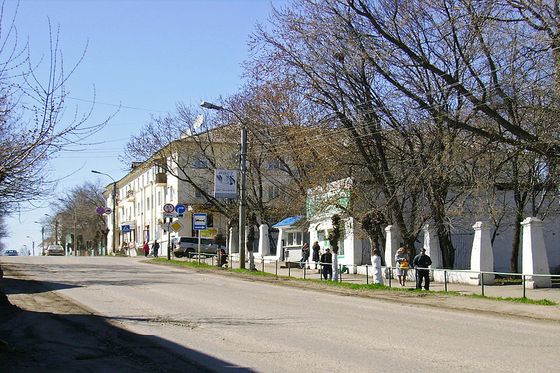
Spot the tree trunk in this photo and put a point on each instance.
(514, 259)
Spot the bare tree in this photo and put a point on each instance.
(34, 122)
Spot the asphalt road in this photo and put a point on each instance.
(224, 323)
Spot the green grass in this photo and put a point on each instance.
(346, 285)
(542, 302)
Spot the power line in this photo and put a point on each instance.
(117, 105)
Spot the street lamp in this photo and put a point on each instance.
(32, 244)
(243, 181)
(42, 237)
(114, 206)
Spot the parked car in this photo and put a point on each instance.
(188, 246)
(55, 250)
(11, 252)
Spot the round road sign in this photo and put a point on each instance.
(168, 207)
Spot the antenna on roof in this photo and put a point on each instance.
(198, 121)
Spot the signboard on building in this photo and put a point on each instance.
(225, 184)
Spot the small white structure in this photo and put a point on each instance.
(391, 246)
(534, 258)
(264, 245)
(431, 244)
(292, 232)
(482, 257)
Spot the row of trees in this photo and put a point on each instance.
(74, 223)
(437, 108)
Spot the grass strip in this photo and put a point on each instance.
(348, 285)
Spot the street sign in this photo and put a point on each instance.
(125, 228)
(168, 207)
(180, 208)
(169, 214)
(199, 221)
(100, 210)
(176, 226)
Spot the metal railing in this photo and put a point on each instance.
(346, 274)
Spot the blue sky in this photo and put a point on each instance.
(143, 55)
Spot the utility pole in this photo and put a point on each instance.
(243, 182)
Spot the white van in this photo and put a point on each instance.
(188, 246)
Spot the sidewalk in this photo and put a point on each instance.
(498, 290)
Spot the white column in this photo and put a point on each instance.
(482, 257)
(233, 241)
(279, 248)
(431, 244)
(535, 260)
(264, 245)
(391, 245)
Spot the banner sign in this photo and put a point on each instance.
(225, 184)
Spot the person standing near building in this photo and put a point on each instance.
(421, 263)
(316, 249)
(146, 248)
(326, 263)
(155, 248)
(304, 256)
(376, 263)
(401, 260)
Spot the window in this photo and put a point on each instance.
(201, 162)
(323, 237)
(148, 203)
(273, 192)
(295, 239)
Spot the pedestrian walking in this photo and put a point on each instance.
(326, 263)
(421, 263)
(402, 262)
(146, 248)
(155, 248)
(223, 258)
(316, 256)
(304, 256)
(376, 262)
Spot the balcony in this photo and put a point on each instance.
(130, 195)
(161, 178)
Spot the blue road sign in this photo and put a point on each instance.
(180, 208)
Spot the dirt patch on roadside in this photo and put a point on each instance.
(47, 332)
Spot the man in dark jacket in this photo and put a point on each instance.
(421, 262)
(326, 263)
(155, 248)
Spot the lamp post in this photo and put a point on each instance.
(32, 244)
(42, 236)
(242, 184)
(114, 196)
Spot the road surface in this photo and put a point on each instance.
(224, 323)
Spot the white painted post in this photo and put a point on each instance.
(279, 248)
(391, 246)
(233, 241)
(431, 244)
(482, 257)
(264, 245)
(534, 258)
